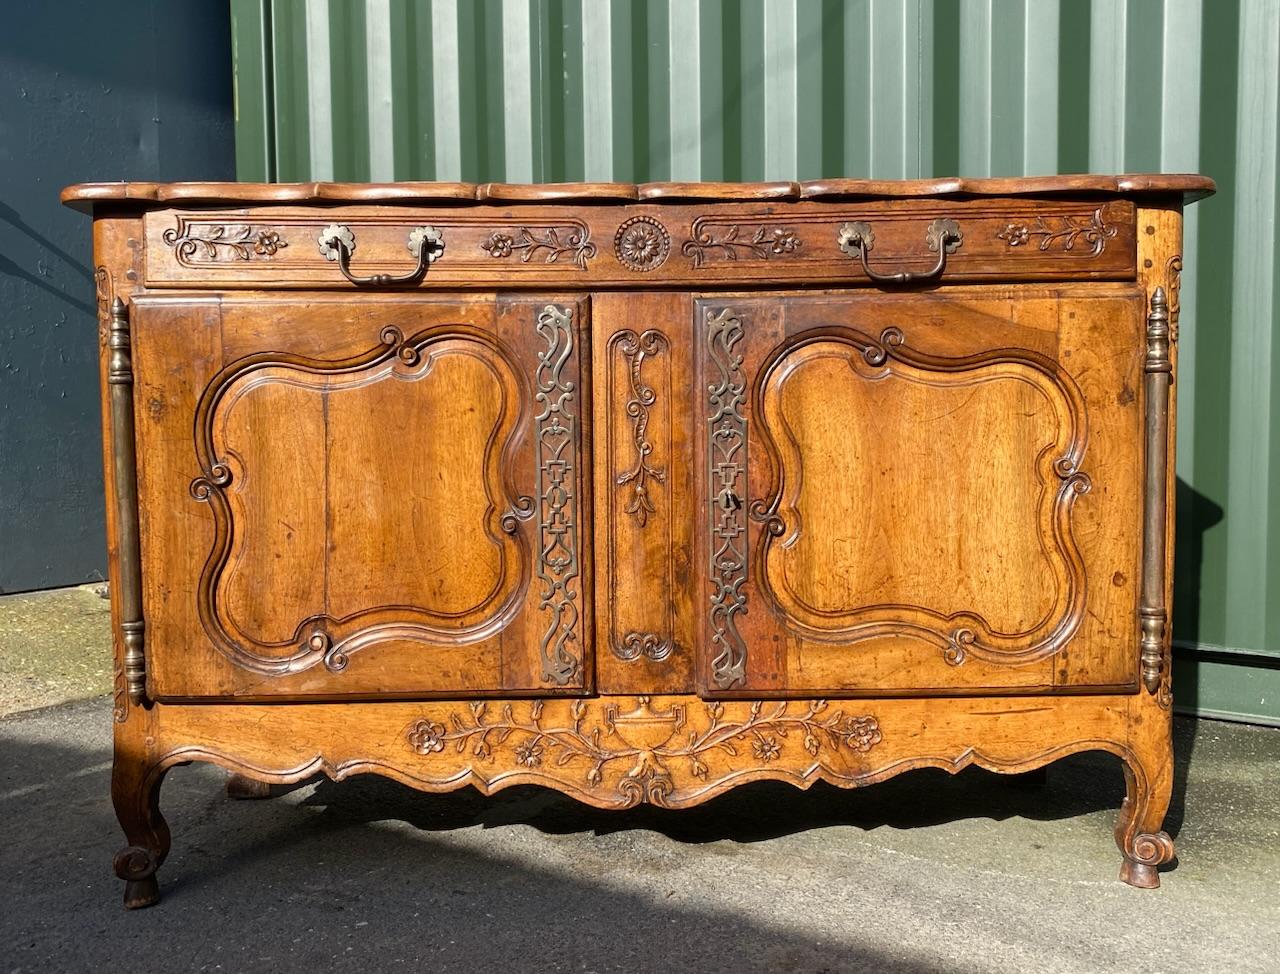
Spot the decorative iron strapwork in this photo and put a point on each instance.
(557, 448)
(726, 501)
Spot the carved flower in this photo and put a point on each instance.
(861, 733)
(267, 243)
(697, 767)
(784, 241)
(529, 754)
(1015, 233)
(766, 748)
(811, 744)
(426, 736)
(498, 245)
(481, 750)
(642, 243)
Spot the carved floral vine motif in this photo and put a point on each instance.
(1095, 233)
(104, 291)
(551, 245)
(216, 242)
(651, 739)
(1174, 267)
(642, 243)
(727, 484)
(635, 348)
(729, 242)
(557, 449)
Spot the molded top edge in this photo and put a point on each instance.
(83, 196)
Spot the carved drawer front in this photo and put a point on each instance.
(835, 242)
(372, 497)
(914, 493)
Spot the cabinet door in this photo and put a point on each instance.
(382, 496)
(921, 492)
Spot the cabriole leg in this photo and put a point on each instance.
(1142, 841)
(135, 792)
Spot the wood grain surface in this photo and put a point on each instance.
(640, 492)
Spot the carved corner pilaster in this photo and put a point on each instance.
(1152, 613)
(128, 588)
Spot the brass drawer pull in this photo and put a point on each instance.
(943, 237)
(337, 242)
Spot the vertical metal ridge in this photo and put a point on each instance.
(857, 86)
(446, 90)
(319, 83)
(685, 93)
(1107, 35)
(517, 91)
(1249, 522)
(780, 90)
(377, 47)
(597, 92)
(1180, 152)
(1040, 87)
(124, 459)
(975, 88)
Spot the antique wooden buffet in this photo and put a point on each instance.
(639, 492)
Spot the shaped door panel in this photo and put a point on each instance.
(903, 493)
(386, 497)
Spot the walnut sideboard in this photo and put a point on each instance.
(639, 492)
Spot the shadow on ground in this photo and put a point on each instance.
(922, 873)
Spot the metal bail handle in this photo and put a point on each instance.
(942, 237)
(337, 242)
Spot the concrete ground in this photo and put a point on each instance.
(975, 873)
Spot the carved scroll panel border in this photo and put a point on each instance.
(963, 634)
(320, 638)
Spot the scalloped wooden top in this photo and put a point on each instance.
(83, 196)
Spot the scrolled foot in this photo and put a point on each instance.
(1148, 850)
(137, 867)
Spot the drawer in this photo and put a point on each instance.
(885, 243)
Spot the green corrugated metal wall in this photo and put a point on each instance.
(635, 90)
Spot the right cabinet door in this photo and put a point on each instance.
(924, 492)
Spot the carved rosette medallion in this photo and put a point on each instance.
(708, 242)
(727, 501)
(646, 754)
(642, 244)
(557, 450)
(571, 241)
(1065, 231)
(200, 243)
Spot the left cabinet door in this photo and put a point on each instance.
(382, 496)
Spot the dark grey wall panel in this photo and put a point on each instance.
(88, 91)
